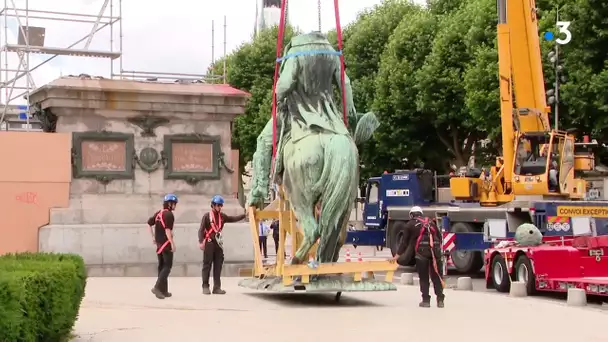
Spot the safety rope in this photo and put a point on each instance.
(279, 59)
(440, 275)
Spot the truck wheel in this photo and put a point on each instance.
(396, 233)
(500, 274)
(466, 261)
(524, 272)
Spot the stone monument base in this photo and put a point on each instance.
(133, 209)
(127, 249)
(132, 143)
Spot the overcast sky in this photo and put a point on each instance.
(158, 35)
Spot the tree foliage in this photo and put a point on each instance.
(444, 97)
(584, 96)
(431, 75)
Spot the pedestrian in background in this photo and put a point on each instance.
(275, 234)
(263, 232)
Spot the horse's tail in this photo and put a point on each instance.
(337, 185)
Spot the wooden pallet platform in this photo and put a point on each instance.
(328, 277)
(322, 285)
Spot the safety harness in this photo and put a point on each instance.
(426, 227)
(159, 218)
(215, 228)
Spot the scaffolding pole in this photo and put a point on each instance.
(31, 40)
(225, 56)
(154, 76)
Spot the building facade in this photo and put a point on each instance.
(268, 14)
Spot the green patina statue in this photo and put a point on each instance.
(528, 235)
(317, 161)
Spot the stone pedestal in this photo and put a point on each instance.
(133, 142)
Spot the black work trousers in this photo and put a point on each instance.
(165, 263)
(264, 246)
(213, 255)
(276, 243)
(426, 270)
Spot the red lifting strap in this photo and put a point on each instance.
(278, 64)
(215, 228)
(159, 218)
(424, 222)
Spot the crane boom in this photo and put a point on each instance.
(527, 68)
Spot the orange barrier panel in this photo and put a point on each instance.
(35, 176)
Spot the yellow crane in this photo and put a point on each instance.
(538, 161)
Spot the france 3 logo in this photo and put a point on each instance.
(563, 36)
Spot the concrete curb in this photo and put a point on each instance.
(518, 289)
(464, 284)
(576, 297)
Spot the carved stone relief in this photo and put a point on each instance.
(149, 159)
(192, 157)
(104, 156)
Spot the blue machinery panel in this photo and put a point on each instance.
(407, 188)
(370, 237)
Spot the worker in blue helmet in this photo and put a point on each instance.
(211, 243)
(161, 228)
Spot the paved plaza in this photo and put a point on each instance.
(123, 309)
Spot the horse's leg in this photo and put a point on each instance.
(305, 218)
(300, 174)
(343, 223)
(338, 188)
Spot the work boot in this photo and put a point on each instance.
(158, 293)
(206, 291)
(440, 303)
(167, 294)
(424, 304)
(219, 291)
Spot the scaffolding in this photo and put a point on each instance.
(17, 82)
(31, 40)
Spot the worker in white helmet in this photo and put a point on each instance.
(422, 238)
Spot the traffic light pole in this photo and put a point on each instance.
(557, 79)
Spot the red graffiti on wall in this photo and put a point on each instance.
(27, 198)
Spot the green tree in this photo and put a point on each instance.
(441, 7)
(402, 135)
(365, 40)
(462, 113)
(215, 71)
(584, 96)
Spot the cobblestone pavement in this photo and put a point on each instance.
(123, 309)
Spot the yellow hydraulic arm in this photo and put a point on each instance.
(536, 160)
(518, 32)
